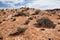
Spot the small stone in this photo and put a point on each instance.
(1, 38)
(58, 21)
(4, 20)
(0, 22)
(14, 19)
(49, 38)
(42, 29)
(58, 30)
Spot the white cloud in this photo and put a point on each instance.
(44, 4)
(12, 1)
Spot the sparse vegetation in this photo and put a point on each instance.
(27, 8)
(30, 18)
(54, 12)
(42, 29)
(58, 18)
(18, 24)
(15, 9)
(36, 12)
(58, 30)
(45, 22)
(4, 20)
(0, 22)
(26, 22)
(13, 18)
(49, 38)
(59, 14)
(58, 21)
(2, 10)
(4, 13)
(20, 30)
(20, 14)
(1, 38)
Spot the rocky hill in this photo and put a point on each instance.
(29, 24)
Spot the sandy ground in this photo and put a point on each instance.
(32, 33)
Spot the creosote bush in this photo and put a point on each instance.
(2, 10)
(27, 8)
(1, 38)
(58, 30)
(20, 30)
(4, 13)
(45, 22)
(13, 19)
(30, 18)
(0, 22)
(36, 12)
(26, 22)
(20, 14)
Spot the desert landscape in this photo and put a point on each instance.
(29, 24)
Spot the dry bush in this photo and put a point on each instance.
(36, 12)
(20, 30)
(30, 18)
(26, 22)
(20, 14)
(27, 8)
(1, 37)
(45, 22)
(4, 13)
(0, 22)
(13, 19)
(2, 10)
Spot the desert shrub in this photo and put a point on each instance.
(36, 12)
(26, 22)
(58, 21)
(4, 20)
(49, 38)
(58, 18)
(0, 22)
(45, 22)
(58, 30)
(11, 10)
(30, 18)
(4, 13)
(13, 19)
(59, 14)
(1, 38)
(54, 12)
(27, 8)
(15, 9)
(42, 29)
(20, 14)
(20, 30)
(2, 10)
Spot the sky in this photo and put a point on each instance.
(39, 4)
